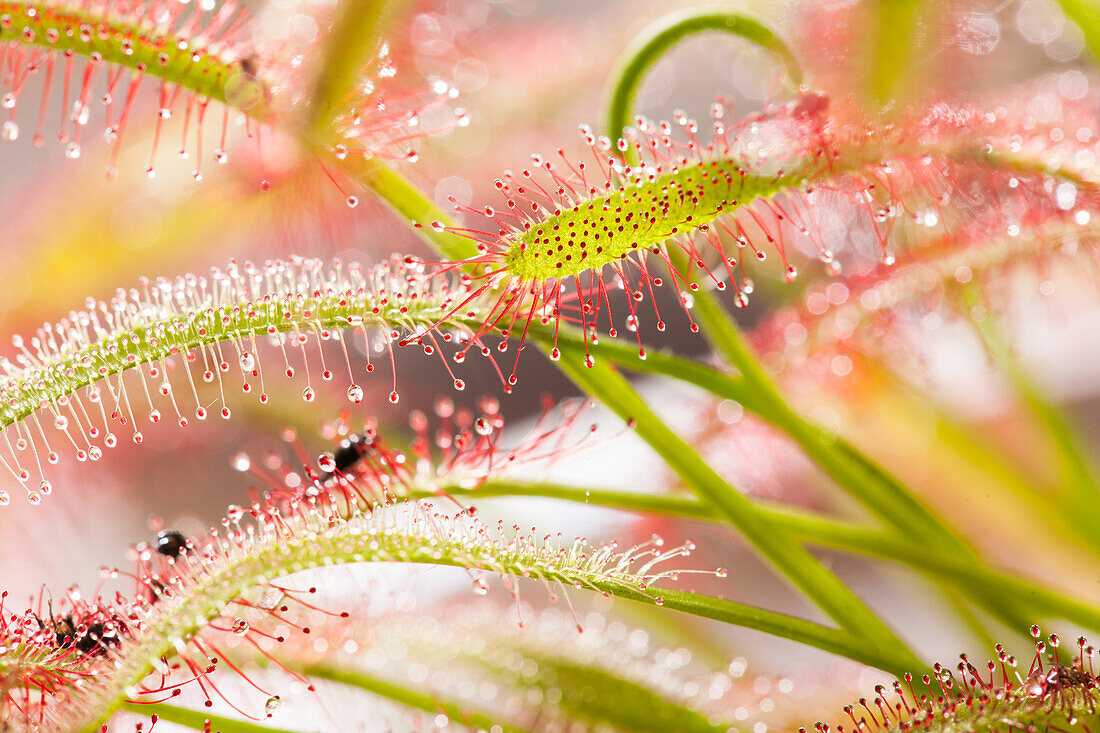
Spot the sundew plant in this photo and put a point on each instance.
(792, 309)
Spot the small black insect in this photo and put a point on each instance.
(170, 543)
(352, 450)
(248, 65)
(95, 640)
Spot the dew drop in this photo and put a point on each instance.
(248, 361)
(72, 151)
(61, 422)
(327, 462)
(45, 487)
(394, 397)
(308, 394)
(34, 498)
(11, 130)
(480, 588)
(272, 705)
(5, 498)
(721, 572)
(352, 201)
(240, 628)
(483, 426)
(355, 393)
(95, 452)
(241, 461)
(460, 385)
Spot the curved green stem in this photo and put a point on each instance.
(666, 32)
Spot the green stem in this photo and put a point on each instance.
(1077, 488)
(411, 205)
(979, 582)
(893, 31)
(815, 529)
(654, 41)
(1086, 14)
(663, 504)
(356, 34)
(197, 719)
(457, 712)
(857, 643)
(798, 565)
(859, 476)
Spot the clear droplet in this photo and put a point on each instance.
(240, 628)
(272, 705)
(11, 130)
(355, 393)
(242, 462)
(248, 361)
(327, 462)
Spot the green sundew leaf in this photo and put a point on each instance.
(461, 713)
(600, 697)
(1059, 694)
(178, 54)
(562, 675)
(283, 540)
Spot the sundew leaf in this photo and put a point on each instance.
(170, 349)
(551, 670)
(194, 54)
(94, 653)
(573, 234)
(1056, 693)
